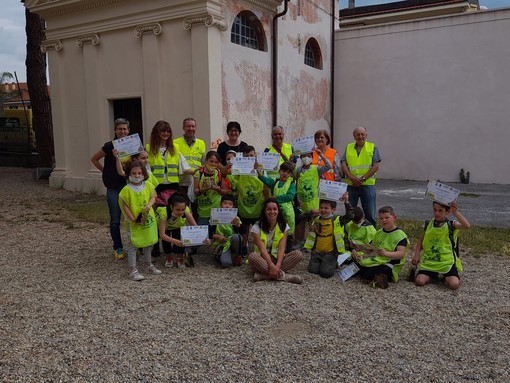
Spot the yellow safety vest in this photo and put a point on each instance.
(193, 153)
(338, 233)
(286, 151)
(278, 235)
(438, 253)
(160, 168)
(359, 165)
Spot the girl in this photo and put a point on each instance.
(136, 200)
(440, 247)
(171, 219)
(143, 158)
(209, 187)
(269, 260)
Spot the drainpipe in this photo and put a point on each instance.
(332, 84)
(274, 59)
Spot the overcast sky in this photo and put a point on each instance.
(13, 41)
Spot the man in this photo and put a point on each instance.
(278, 146)
(192, 148)
(360, 162)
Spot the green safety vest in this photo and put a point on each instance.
(225, 231)
(278, 235)
(192, 154)
(308, 188)
(162, 213)
(250, 196)
(438, 253)
(359, 165)
(287, 207)
(338, 234)
(287, 152)
(141, 235)
(210, 198)
(388, 242)
(160, 168)
(360, 235)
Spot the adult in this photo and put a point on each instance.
(192, 148)
(322, 142)
(232, 143)
(360, 163)
(165, 159)
(270, 234)
(113, 182)
(278, 146)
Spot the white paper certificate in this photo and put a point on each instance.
(222, 216)
(129, 145)
(331, 190)
(244, 165)
(303, 145)
(441, 193)
(194, 235)
(348, 271)
(269, 161)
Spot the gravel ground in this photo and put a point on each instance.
(70, 314)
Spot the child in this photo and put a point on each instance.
(359, 231)
(307, 188)
(136, 200)
(171, 219)
(209, 187)
(230, 180)
(392, 244)
(143, 158)
(226, 239)
(327, 241)
(250, 198)
(440, 247)
(284, 190)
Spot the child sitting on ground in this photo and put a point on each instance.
(359, 231)
(227, 240)
(136, 200)
(326, 241)
(391, 244)
(439, 243)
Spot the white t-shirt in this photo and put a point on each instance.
(270, 235)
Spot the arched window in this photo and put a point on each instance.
(247, 31)
(313, 55)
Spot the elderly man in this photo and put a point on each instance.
(192, 148)
(360, 162)
(278, 146)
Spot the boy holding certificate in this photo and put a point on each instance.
(227, 240)
(326, 237)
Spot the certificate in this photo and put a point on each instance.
(194, 235)
(244, 165)
(222, 216)
(129, 145)
(303, 145)
(348, 271)
(331, 190)
(441, 193)
(269, 161)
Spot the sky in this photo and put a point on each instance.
(13, 38)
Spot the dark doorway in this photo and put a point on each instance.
(130, 109)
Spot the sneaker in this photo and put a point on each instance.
(180, 263)
(118, 254)
(260, 277)
(152, 269)
(188, 260)
(292, 278)
(169, 262)
(136, 276)
(298, 245)
(381, 281)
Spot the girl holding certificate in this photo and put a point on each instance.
(269, 261)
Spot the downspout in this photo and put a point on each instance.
(274, 66)
(332, 83)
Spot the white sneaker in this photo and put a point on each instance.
(169, 263)
(152, 269)
(136, 276)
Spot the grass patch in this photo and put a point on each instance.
(95, 212)
(478, 240)
(471, 195)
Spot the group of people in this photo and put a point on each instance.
(176, 183)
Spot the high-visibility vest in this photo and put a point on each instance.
(192, 154)
(159, 167)
(360, 165)
(307, 188)
(286, 151)
(250, 196)
(338, 233)
(287, 207)
(330, 155)
(438, 252)
(278, 235)
(210, 198)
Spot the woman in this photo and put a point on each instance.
(269, 261)
(232, 143)
(322, 141)
(278, 146)
(165, 159)
(113, 182)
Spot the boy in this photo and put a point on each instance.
(391, 244)
(326, 241)
(440, 247)
(227, 242)
(359, 231)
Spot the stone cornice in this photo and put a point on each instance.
(93, 39)
(208, 21)
(269, 5)
(49, 45)
(58, 8)
(154, 28)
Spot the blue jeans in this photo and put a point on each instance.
(367, 196)
(112, 197)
